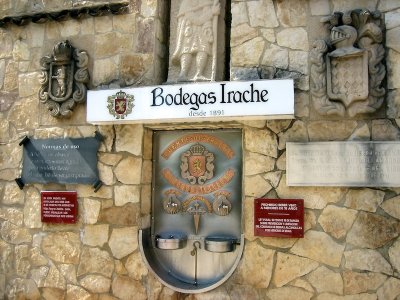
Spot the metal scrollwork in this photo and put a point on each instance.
(347, 72)
(63, 78)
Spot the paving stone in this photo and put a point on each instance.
(287, 292)
(123, 241)
(63, 247)
(320, 247)
(357, 282)
(372, 231)
(124, 288)
(262, 13)
(367, 260)
(337, 220)
(392, 207)
(255, 256)
(364, 199)
(95, 261)
(325, 280)
(96, 283)
(289, 267)
(390, 289)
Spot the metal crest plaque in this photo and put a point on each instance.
(372, 164)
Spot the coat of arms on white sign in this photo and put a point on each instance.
(120, 105)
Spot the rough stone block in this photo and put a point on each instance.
(337, 220)
(123, 241)
(62, 247)
(292, 13)
(96, 261)
(262, 14)
(293, 38)
(254, 257)
(122, 215)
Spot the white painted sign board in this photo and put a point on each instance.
(211, 101)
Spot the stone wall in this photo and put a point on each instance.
(351, 245)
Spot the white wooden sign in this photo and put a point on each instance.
(212, 101)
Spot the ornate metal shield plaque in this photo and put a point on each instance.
(195, 240)
(63, 78)
(197, 164)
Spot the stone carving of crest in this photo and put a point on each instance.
(347, 72)
(63, 78)
(197, 164)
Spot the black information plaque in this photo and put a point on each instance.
(66, 161)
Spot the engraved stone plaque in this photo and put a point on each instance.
(373, 164)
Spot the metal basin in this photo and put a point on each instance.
(171, 242)
(219, 244)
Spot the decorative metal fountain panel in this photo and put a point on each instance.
(197, 207)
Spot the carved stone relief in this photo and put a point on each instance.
(347, 71)
(197, 40)
(21, 12)
(63, 78)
